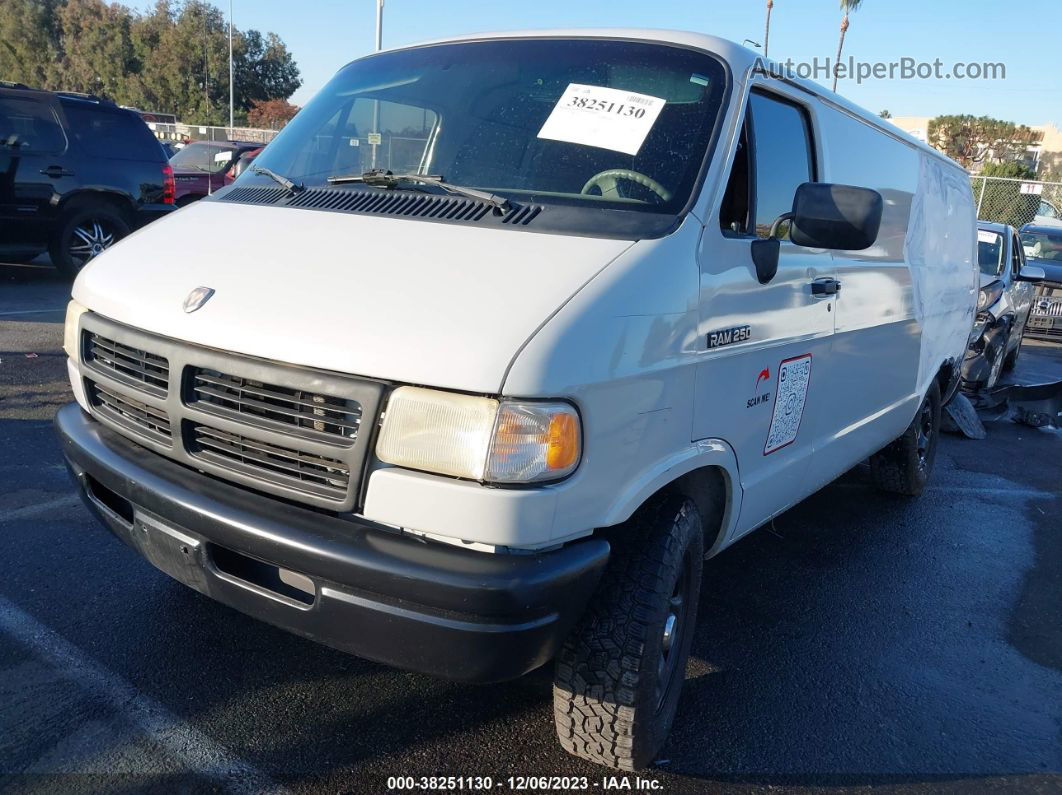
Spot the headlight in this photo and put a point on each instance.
(989, 294)
(507, 441)
(74, 311)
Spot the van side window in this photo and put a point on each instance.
(783, 160)
(774, 157)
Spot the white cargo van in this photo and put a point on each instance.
(503, 336)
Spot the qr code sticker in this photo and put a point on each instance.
(794, 375)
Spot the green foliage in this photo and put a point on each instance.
(974, 139)
(1001, 199)
(172, 59)
(1011, 170)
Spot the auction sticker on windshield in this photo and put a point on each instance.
(608, 118)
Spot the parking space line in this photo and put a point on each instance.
(32, 312)
(193, 748)
(44, 507)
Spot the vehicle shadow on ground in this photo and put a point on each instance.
(799, 668)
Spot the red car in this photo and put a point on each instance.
(202, 167)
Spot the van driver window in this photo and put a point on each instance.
(778, 135)
(782, 146)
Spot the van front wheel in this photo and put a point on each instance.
(620, 673)
(903, 467)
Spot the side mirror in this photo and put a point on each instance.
(1032, 273)
(838, 217)
(824, 216)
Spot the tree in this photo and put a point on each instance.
(972, 139)
(767, 30)
(27, 42)
(847, 6)
(97, 49)
(885, 114)
(264, 69)
(172, 58)
(271, 113)
(1051, 166)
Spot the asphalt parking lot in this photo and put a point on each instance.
(861, 640)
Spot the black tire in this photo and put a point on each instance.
(618, 676)
(904, 466)
(84, 232)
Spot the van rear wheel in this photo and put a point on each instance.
(619, 674)
(903, 467)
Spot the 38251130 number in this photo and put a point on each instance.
(604, 106)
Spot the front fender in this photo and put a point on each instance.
(701, 454)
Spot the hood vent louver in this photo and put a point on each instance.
(521, 216)
(255, 195)
(401, 204)
(451, 208)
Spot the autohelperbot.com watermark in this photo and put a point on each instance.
(863, 71)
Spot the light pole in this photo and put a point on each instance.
(379, 24)
(231, 86)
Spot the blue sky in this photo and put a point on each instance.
(325, 34)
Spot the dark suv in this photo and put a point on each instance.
(77, 173)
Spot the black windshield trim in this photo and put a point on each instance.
(600, 222)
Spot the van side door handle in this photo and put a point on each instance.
(825, 287)
(56, 171)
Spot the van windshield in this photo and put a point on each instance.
(588, 123)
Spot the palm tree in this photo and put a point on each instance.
(767, 32)
(847, 6)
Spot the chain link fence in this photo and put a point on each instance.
(1017, 201)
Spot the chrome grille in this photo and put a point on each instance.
(325, 477)
(1047, 307)
(138, 418)
(138, 368)
(300, 412)
(285, 430)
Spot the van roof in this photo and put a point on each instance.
(741, 59)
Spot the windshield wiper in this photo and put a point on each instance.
(382, 178)
(292, 187)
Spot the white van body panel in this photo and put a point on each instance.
(421, 303)
(618, 328)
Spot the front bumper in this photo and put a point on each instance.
(451, 612)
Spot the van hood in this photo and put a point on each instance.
(411, 301)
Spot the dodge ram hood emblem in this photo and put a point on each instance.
(196, 298)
